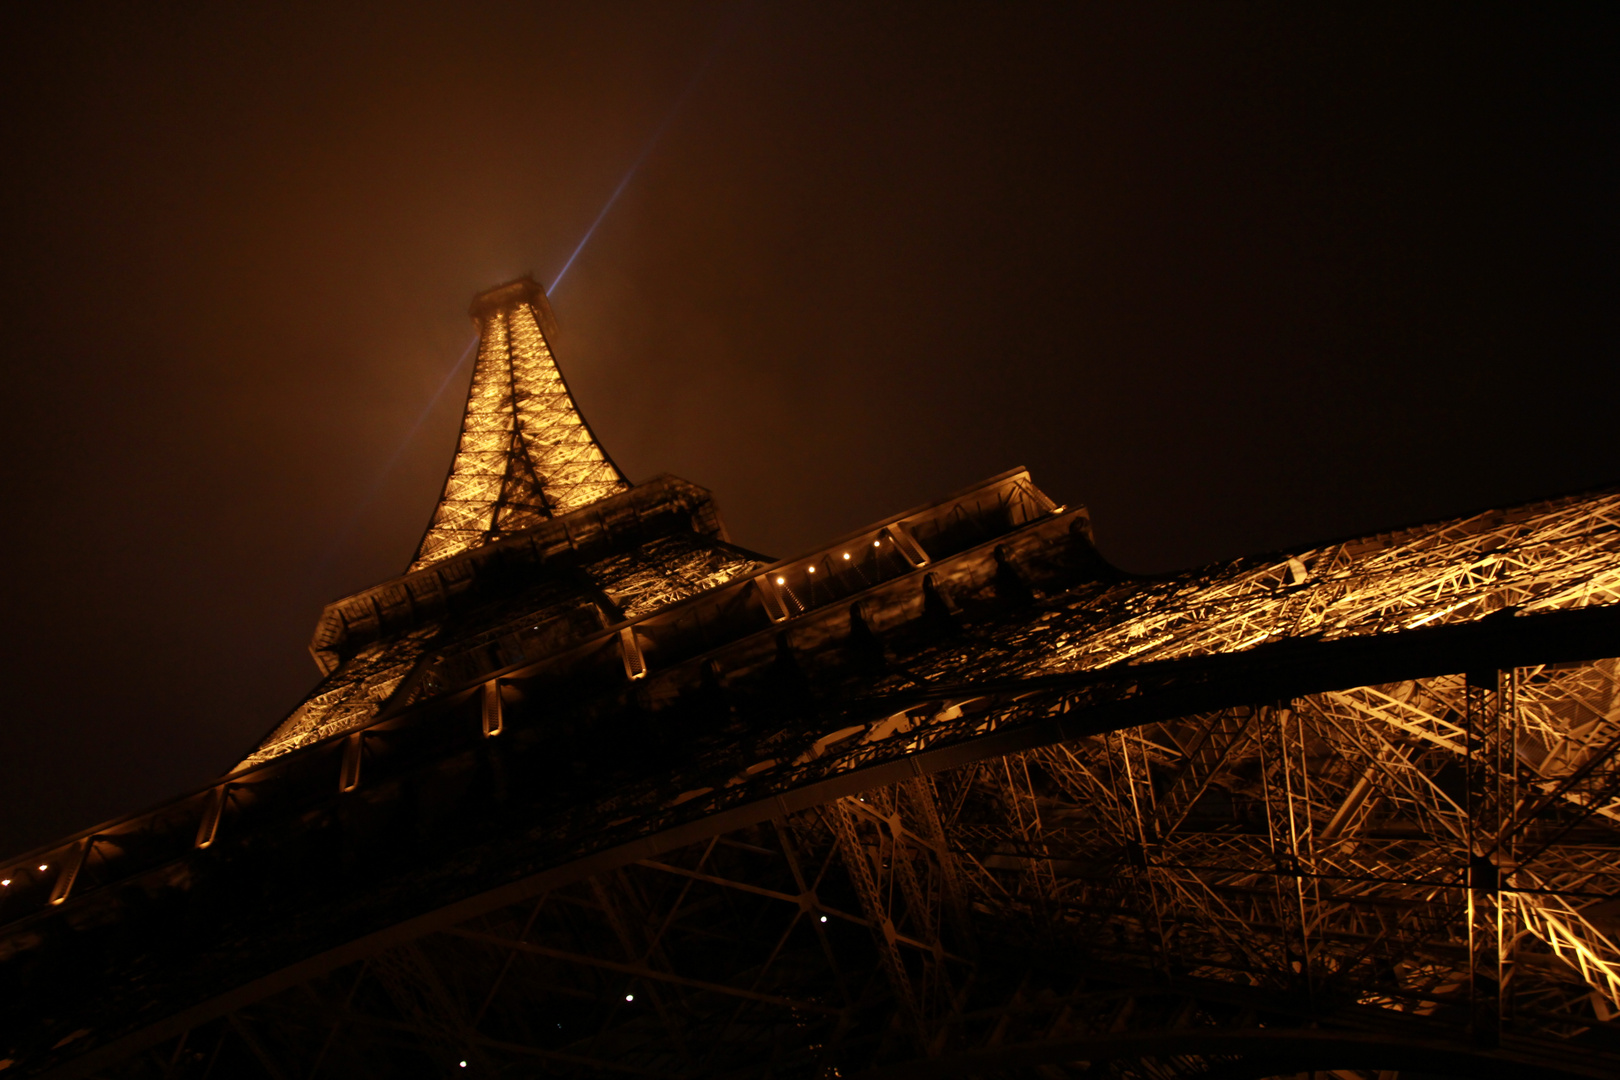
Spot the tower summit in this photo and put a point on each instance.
(526, 454)
(537, 540)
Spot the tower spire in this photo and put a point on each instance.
(525, 453)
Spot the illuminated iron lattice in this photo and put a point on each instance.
(525, 453)
(947, 797)
(525, 458)
(621, 584)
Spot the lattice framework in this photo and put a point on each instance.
(1074, 878)
(525, 454)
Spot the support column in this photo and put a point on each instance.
(1289, 822)
(920, 792)
(862, 877)
(1133, 793)
(1489, 802)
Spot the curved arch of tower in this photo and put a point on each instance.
(590, 790)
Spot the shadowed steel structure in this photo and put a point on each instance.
(591, 791)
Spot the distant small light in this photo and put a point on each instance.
(812, 569)
(781, 581)
(824, 918)
(42, 867)
(877, 543)
(463, 1064)
(846, 554)
(4, 882)
(629, 997)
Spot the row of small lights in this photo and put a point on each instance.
(6, 882)
(783, 580)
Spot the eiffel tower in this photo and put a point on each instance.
(590, 790)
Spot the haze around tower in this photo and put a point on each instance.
(1233, 277)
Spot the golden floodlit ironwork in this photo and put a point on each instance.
(592, 791)
(525, 459)
(526, 454)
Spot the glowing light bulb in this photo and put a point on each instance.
(629, 997)
(781, 581)
(4, 882)
(812, 569)
(42, 868)
(824, 918)
(877, 543)
(463, 1064)
(846, 554)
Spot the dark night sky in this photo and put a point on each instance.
(1235, 276)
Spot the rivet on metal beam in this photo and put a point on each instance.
(493, 720)
(350, 778)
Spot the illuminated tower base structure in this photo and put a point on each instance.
(591, 791)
